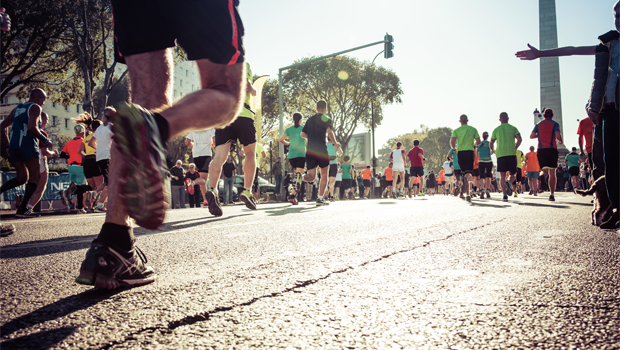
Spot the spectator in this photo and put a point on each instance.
(177, 176)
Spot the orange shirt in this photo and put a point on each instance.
(442, 175)
(366, 174)
(585, 133)
(476, 162)
(71, 148)
(389, 174)
(531, 162)
(416, 180)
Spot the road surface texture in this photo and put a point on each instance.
(428, 273)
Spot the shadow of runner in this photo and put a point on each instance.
(293, 209)
(60, 308)
(41, 340)
(66, 244)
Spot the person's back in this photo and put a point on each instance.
(20, 137)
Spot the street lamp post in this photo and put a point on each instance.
(372, 118)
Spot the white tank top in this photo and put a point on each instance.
(397, 158)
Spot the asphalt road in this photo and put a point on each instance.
(429, 273)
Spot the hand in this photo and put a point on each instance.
(6, 20)
(581, 154)
(594, 117)
(176, 178)
(530, 54)
(55, 152)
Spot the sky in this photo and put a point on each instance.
(453, 57)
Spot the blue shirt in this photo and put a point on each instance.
(21, 138)
(455, 160)
(484, 152)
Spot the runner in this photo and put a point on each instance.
(506, 152)
(586, 141)
(416, 158)
(466, 138)
(102, 141)
(333, 171)
(548, 133)
(389, 179)
(346, 172)
(533, 170)
(366, 177)
(315, 130)
(338, 183)
(210, 33)
(242, 129)
(572, 162)
(442, 181)
(296, 154)
(92, 173)
(43, 167)
(260, 154)
(431, 183)
(458, 175)
(485, 165)
(228, 175)
(201, 142)
(23, 147)
(449, 171)
(519, 175)
(475, 175)
(415, 185)
(398, 167)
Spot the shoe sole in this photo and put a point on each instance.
(63, 199)
(248, 202)
(23, 216)
(214, 208)
(150, 278)
(142, 185)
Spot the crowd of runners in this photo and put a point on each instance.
(130, 167)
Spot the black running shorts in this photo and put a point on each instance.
(476, 172)
(416, 171)
(103, 165)
(241, 129)
(338, 183)
(205, 29)
(346, 183)
(466, 161)
(314, 160)
(507, 163)
(366, 183)
(458, 173)
(91, 169)
(547, 158)
(486, 169)
(202, 164)
(333, 170)
(297, 162)
(519, 174)
(573, 171)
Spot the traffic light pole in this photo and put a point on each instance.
(387, 41)
(372, 116)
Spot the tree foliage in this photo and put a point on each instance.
(347, 85)
(38, 52)
(269, 106)
(435, 143)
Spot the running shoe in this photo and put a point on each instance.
(26, 214)
(508, 188)
(461, 196)
(248, 199)
(70, 191)
(551, 198)
(319, 202)
(81, 211)
(515, 195)
(325, 201)
(213, 203)
(468, 199)
(293, 200)
(142, 178)
(505, 199)
(63, 198)
(189, 186)
(531, 192)
(96, 198)
(127, 267)
(100, 208)
(7, 230)
(535, 194)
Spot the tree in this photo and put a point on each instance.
(176, 149)
(347, 85)
(436, 146)
(407, 139)
(118, 92)
(37, 52)
(269, 106)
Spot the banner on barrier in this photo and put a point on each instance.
(55, 183)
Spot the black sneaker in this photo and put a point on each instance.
(63, 198)
(508, 188)
(127, 267)
(319, 202)
(612, 223)
(26, 214)
(7, 230)
(213, 203)
(142, 178)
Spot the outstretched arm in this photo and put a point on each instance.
(533, 53)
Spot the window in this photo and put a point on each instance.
(192, 87)
(175, 93)
(66, 123)
(181, 82)
(77, 108)
(54, 120)
(54, 104)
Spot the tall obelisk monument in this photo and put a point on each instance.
(550, 96)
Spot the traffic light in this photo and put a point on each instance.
(388, 46)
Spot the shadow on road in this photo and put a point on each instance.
(40, 340)
(293, 209)
(487, 204)
(66, 244)
(61, 308)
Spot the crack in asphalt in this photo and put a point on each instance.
(205, 316)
